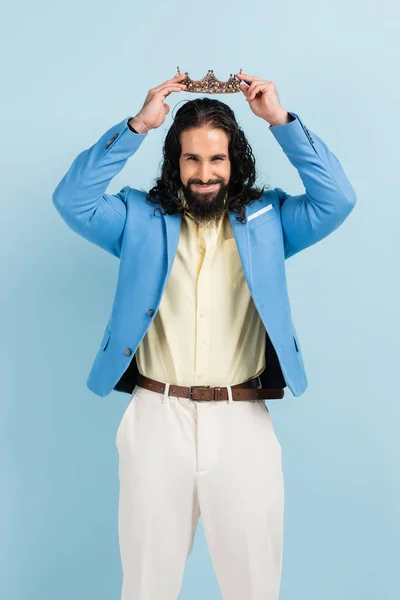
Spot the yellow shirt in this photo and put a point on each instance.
(207, 330)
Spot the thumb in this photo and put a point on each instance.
(244, 89)
(166, 106)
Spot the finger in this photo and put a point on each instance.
(252, 79)
(245, 77)
(256, 82)
(254, 91)
(248, 88)
(177, 79)
(262, 87)
(257, 90)
(259, 80)
(168, 85)
(167, 89)
(252, 86)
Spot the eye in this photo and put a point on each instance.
(194, 158)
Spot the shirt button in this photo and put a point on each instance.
(200, 375)
(127, 351)
(202, 343)
(203, 313)
(150, 312)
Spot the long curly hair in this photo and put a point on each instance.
(203, 112)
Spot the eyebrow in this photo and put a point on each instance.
(197, 156)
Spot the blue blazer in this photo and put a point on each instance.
(276, 228)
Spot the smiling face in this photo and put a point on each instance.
(205, 170)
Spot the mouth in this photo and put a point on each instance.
(206, 188)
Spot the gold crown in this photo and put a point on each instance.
(211, 85)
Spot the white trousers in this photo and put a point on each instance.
(179, 458)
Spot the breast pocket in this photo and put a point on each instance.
(232, 263)
(255, 220)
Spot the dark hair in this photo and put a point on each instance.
(199, 113)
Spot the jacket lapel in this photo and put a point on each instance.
(172, 232)
(241, 233)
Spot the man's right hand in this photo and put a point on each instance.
(154, 111)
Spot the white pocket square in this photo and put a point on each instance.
(260, 212)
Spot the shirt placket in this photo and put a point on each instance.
(206, 247)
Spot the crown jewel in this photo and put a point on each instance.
(211, 85)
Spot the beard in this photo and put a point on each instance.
(206, 208)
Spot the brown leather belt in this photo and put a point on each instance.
(241, 391)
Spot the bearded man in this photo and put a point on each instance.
(200, 333)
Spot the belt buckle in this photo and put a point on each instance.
(196, 386)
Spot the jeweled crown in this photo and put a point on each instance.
(211, 85)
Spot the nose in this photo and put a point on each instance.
(204, 174)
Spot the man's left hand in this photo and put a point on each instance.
(263, 99)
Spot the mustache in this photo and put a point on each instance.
(201, 183)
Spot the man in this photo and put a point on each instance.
(200, 333)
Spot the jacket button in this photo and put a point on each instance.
(127, 351)
(150, 312)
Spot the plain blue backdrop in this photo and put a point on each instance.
(72, 70)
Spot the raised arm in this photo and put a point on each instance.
(80, 196)
(329, 196)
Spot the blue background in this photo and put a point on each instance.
(72, 70)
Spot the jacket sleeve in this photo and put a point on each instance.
(329, 197)
(80, 196)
